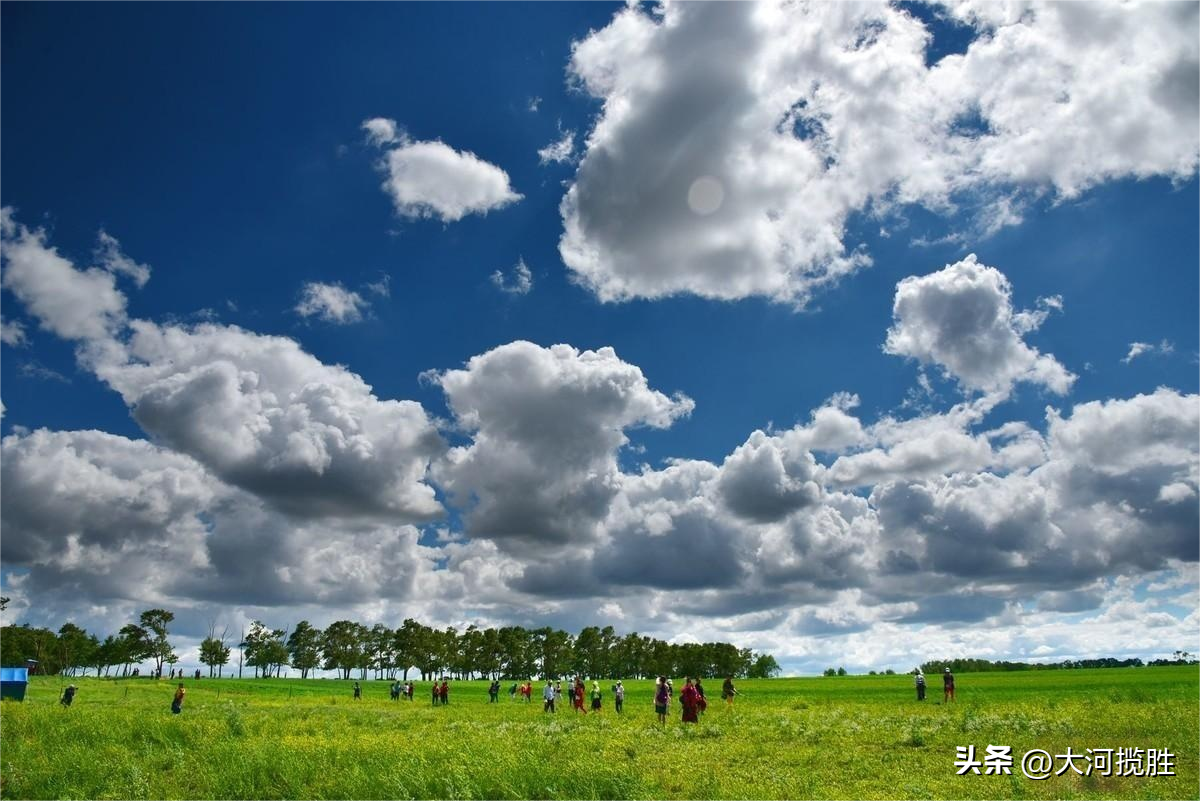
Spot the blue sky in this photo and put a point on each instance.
(227, 149)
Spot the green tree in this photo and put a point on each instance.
(214, 653)
(134, 646)
(155, 622)
(76, 648)
(304, 645)
(342, 646)
(264, 649)
(764, 667)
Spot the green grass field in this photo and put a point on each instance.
(847, 737)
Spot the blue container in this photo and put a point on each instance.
(13, 681)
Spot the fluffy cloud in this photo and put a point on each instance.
(961, 319)
(73, 304)
(764, 480)
(102, 516)
(736, 139)
(520, 283)
(545, 425)
(431, 179)
(559, 151)
(266, 416)
(12, 333)
(332, 303)
(263, 415)
(110, 256)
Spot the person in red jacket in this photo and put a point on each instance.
(444, 692)
(689, 699)
(579, 696)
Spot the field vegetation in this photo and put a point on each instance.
(838, 737)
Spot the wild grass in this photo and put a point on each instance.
(843, 737)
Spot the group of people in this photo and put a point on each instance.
(691, 698)
(947, 685)
(400, 690)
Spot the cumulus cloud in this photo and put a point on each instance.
(258, 411)
(545, 426)
(12, 333)
(431, 179)
(735, 140)
(519, 284)
(101, 515)
(961, 319)
(264, 415)
(73, 304)
(332, 303)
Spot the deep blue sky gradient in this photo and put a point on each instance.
(227, 154)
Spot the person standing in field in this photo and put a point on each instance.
(728, 691)
(357, 692)
(437, 695)
(493, 691)
(596, 696)
(558, 691)
(662, 697)
(177, 702)
(920, 682)
(579, 696)
(689, 699)
(701, 701)
(619, 696)
(948, 686)
(444, 692)
(548, 697)
(68, 695)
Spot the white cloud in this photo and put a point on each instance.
(961, 319)
(520, 283)
(1136, 349)
(266, 416)
(332, 303)
(112, 258)
(381, 131)
(12, 333)
(560, 151)
(73, 304)
(431, 179)
(778, 121)
(545, 425)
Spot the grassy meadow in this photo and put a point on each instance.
(844, 737)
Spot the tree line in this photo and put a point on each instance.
(347, 646)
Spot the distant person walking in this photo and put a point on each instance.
(493, 691)
(177, 702)
(596, 696)
(437, 693)
(619, 697)
(662, 697)
(701, 701)
(948, 686)
(357, 692)
(68, 695)
(444, 692)
(728, 691)
(920, 681)
(558, 692)
(548, 697)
